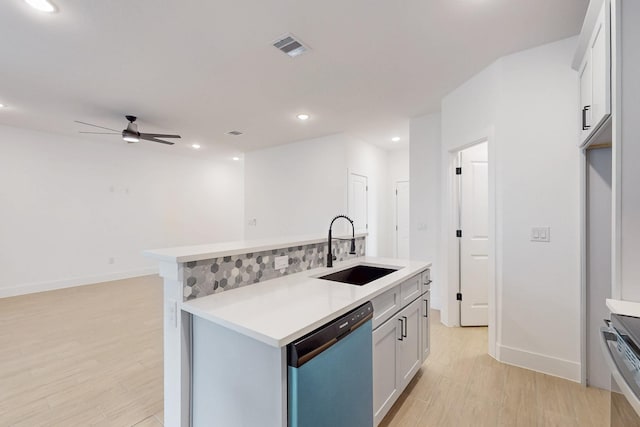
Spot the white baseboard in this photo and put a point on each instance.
(540, 363)
(30, 288)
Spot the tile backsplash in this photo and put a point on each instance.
(206, 277)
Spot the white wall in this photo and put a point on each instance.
(69, 204)
(539, 176)
(297, 188)
(525, 104)
(425, 197)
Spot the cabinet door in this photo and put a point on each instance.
(585, 97)
(409, 349)
(600, 70)
(425, 313)
(385, 360)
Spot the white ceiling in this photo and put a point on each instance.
(205, 67)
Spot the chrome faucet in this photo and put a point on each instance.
(352, 251)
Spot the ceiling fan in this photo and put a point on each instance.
(131, 134)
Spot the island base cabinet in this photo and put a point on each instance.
(397, 356)
(409, 349)
(236, 381)
(425, 332)
(385, 360)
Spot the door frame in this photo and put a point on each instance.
(349, 196)
(395, 211)
(458, 208)
(451, 308)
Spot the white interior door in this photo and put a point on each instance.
(358, 201)
(474, 243)
(402, 219)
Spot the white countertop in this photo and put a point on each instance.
(183, 254)
(279, 311)
(626, 308)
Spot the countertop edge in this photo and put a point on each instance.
(627, 308)
(280, 342)
(243, 247)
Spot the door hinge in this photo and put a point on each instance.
(366, 226)
(366, 188)
(396, 228)
(458, 233)
(458, 171)
(396, 192)
(459, 296)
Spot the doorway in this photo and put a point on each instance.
(472, 188)
(358, 202)
(402, 219)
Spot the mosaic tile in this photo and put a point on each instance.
(206, 277)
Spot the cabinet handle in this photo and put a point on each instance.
(404, 334)
(401, 329)
(585, 126)
(426, 308)
(427, 283)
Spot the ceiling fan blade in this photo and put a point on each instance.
(95, 126)
(146, 137)
(159, 135)
(102, 133)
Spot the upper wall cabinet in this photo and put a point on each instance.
(594, 59)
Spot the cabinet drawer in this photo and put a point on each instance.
(426, 281)
(385, 306)
(410, 290)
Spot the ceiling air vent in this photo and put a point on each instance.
(289, 45)
(234, 133)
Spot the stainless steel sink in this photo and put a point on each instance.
(358, 275)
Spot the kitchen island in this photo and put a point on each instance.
(225, 352)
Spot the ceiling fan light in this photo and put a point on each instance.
(130, 137)
(42, 5)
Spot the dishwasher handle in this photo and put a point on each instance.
(311, 345)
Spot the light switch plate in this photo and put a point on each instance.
(281, 262)
(541, 234)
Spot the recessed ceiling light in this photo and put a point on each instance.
(42, 5)
(236, 158)
(395, 139)
(195, 146)
(2, 105)
(303, 116)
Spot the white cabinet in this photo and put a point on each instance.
(410, 290)
(425, 331)
(595, 76)
(385, 305)
(409, 346)
(386, 387)
(400, 341)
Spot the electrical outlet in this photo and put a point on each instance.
(252, 222)
(281, 262)
(172, 313)
(541, 234)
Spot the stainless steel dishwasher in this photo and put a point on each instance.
(330, 374)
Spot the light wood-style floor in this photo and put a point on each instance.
(92, 355)
(460, 385)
